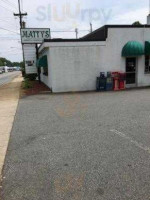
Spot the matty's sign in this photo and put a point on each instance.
(34, 35)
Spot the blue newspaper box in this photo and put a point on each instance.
(98, 84)
(102, 81)
(109, 82)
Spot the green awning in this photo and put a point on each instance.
(133, 48)
(42, 62)
(147, 48)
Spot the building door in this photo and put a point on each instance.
(131, 71)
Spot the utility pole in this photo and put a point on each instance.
(20, 15)
(22, 25)
(91, 27)
(76, 31)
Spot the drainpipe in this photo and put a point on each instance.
(39, 70)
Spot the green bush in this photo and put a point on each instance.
(27, 84)
(31, 77)
(23, 72)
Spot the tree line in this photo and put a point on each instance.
(8, 63)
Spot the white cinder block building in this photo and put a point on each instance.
(73, 65)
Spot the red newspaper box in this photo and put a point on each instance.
(122, 79)
(115, 76)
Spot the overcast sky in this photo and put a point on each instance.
(65, 16)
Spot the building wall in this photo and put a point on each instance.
(74, 66)
(143, 79)
(117, 38)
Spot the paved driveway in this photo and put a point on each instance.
(91, 146)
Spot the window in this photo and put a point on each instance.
(45, 71)
(30, 63)
(147, 64)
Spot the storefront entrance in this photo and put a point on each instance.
(131, 71)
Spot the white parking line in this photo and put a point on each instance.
(137, 144)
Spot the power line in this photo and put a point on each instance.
(20, 14)
(9, 3)
(22, 4)
(9, 37)
(1, 52)
(6, 9)
(12, 3)
(9, 30)
(4, 20)
(8, 24)
(7, 18)
(57, 31)
(83, 30)
(13, 53)
(13, 39)
(62, 31)
(16, 24)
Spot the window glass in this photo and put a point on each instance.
(147, 64)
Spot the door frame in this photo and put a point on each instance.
(136, 72)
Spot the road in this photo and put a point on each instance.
(9, 97)
(7, 77)
(86, 146)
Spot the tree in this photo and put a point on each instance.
(137, 23)
(1, 63)
(16, 64)
(4, 61)
(22, 65)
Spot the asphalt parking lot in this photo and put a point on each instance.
(86, 146)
